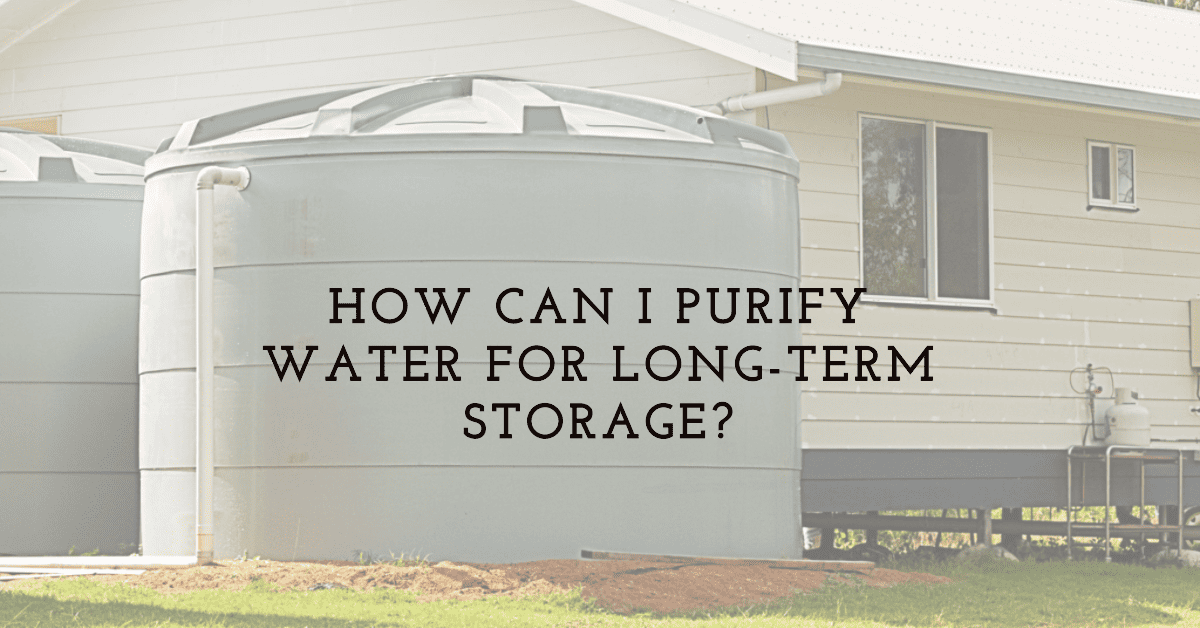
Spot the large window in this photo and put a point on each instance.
(926, 212)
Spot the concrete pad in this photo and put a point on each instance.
(93, 563)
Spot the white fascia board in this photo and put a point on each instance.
(945, 74)
(710, 31)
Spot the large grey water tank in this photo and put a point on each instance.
(487, 184)
(70, 211)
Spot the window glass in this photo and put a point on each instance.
(962, 214)
(1125, 175)
(893, 197)
(1100, 173)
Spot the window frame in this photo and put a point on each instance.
(931, 266)
(1111, 203)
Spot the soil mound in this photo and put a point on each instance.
(626, 586)
(440, 581)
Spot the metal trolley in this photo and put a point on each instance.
(1108, 453)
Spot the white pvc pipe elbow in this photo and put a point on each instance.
(754, 100)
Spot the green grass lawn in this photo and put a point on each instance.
(988, 594)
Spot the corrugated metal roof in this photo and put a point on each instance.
(1112, 43)
(1118, 54)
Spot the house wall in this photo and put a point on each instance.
(1071, 287)
(131, 71)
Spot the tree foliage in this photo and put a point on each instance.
(1190, 5)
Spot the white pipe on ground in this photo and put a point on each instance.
(205, 181)
(754, 100)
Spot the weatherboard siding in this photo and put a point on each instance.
(1071, 286)
(132, 71)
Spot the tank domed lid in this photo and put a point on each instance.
(26, 156)
(475, 106)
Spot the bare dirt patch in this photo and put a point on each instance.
(621, 586)
(625, 586)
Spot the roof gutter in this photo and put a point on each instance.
(755, 100)
(982, 80)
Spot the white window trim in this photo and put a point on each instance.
(1109, 203)
(933, 300)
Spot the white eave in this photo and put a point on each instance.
(21, 18)
(1118, 54)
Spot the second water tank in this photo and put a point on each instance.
(70, 212)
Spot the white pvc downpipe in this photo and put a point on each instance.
(754, 100)
(205, 181)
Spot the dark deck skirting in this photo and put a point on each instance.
(860, 480)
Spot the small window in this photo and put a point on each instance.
(926, 212)
(1111, 176)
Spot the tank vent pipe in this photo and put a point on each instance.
(205, 182)
(754, 100)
